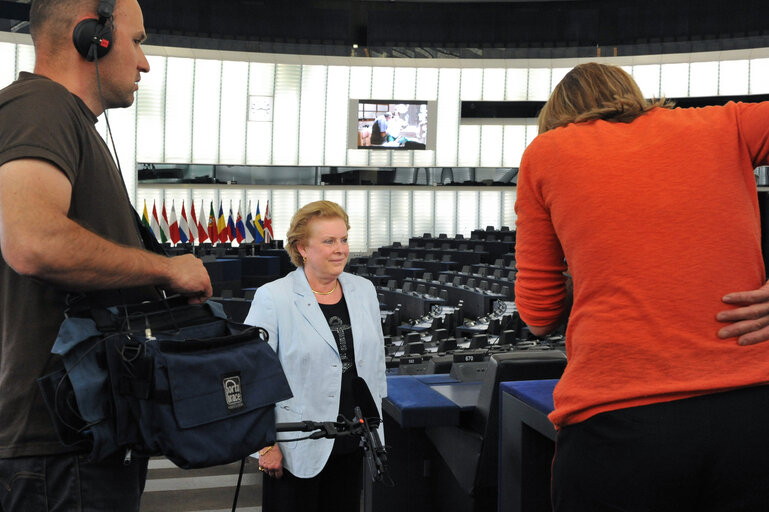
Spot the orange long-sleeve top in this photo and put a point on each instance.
(658, 219)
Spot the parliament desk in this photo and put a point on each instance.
(414, 402)
(526, 446)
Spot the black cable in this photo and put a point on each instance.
(106, 117)
(237, 487)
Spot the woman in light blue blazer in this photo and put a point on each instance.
(325, 326)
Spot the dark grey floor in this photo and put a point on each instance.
(170, 489)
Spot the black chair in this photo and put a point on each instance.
(466, 472)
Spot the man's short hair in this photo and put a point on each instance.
(55, 18)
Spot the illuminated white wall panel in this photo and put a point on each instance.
(491, 145)
(312, 116)
(448, 117)
(401, 158)
(25, 58)
(703, 79)
(508, 208)
(514, 145)
(469, 145)
(382, 83)
(286, 114)
(357, 208)
(539, 84)
(674, 80)
(490, 209)
(150, 105)
(306, 196)
(337, 105)
(283, 205)
(422, 212)
(446, 213)
(400, 215)
(759, 76)
(427, 84)
(336, 196)
(647, 76)
(7, 63)
(379, 158)
(424, 158)
(405, 83)
(261, 82)
(472, 84)
(734, 77)
(234, 113)
(467, 211)
(517, 84)
(123, 125)
(378, 219)
(206, 111)
(494, 84)
(178, 115)
(360, 82)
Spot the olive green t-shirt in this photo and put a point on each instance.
(41, 119)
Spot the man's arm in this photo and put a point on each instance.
(52, 247)
(750, 321)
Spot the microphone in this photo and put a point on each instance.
(369, 419)
(364, 400)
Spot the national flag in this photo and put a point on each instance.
(258, 226)
(173, 228)
(221, 226)
(240, 229)
(164, 223)
(202, 236)
(250, 229)
(184, 228)
(155, 225)
(213, 233)
(146, 219)
(268, 234)
(232, 230)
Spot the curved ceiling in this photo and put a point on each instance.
(444, 24)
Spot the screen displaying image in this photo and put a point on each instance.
(392, 124)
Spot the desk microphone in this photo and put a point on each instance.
(364, 425)
(368, 416)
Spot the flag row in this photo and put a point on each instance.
(252, 229)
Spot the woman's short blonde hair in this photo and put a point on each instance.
(299, 231)
(595, 91)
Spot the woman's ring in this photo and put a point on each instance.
(261, 468)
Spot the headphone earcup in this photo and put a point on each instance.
(92, 39)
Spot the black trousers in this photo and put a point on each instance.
(336, 488)
(63, 483)
(708, 453)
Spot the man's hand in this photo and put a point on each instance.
(188, 276)
(750, 321)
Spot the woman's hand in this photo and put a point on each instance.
(749, 322)
(271, 461)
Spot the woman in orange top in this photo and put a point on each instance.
(655, 210)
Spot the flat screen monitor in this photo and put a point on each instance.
(392, 124)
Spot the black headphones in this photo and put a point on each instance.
(93, 37)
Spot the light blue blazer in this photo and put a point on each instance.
(300, 335)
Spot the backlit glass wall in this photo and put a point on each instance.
(206, 107)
